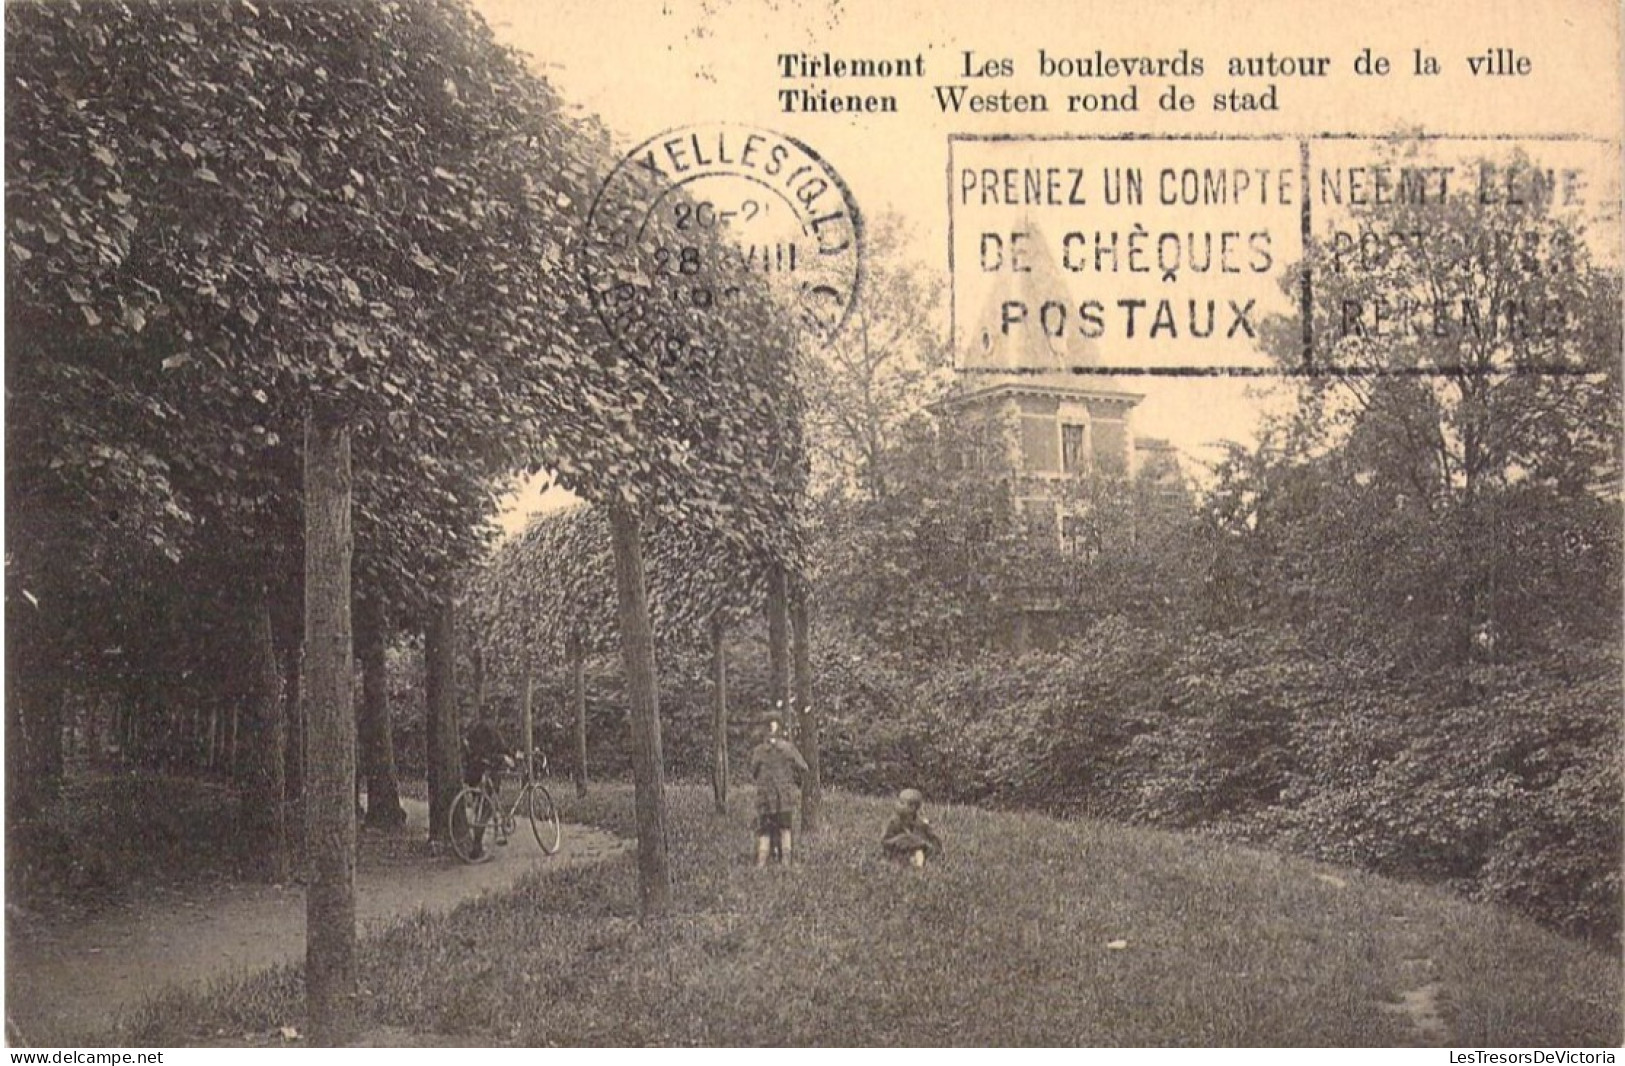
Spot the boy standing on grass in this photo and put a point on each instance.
(775, 766)
(909, 838)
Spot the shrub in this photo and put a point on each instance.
(99, 836)
(1502, 781)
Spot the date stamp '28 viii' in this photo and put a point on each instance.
(691, 215)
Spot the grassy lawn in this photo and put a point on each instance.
(1008, 941)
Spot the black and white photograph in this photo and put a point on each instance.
(738, 523)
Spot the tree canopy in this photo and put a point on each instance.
(219, 214)
(1449, 485)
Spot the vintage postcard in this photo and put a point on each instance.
(733, 523)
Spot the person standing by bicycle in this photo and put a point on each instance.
(485, 751)
(775, 766)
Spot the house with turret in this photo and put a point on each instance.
(1037, 410)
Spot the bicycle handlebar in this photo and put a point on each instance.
(514, 762)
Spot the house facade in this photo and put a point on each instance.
(1036, 404)
(1037, 411)
(1047, 436)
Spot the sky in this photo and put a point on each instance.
(650, 66)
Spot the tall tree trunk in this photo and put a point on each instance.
(262, 816)
(527, 718)
(384, 808)
(778, 642)
(197, 740)
(330, 832)
(43, 731)
(444, 756)
(719, 714)
(286, 599)
(360, 631)
(1473, 609)
(638, 653)
(129, 712)
(20, 795)
(806, 713)
(479, 681)
(123, 733)
(24, 843)
(293, 737)
(94, 724)
(578, 698)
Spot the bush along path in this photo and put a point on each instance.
(68, 980)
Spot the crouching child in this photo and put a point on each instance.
(909, 837)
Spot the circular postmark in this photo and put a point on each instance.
(698, 219)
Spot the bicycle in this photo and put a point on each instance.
(478, 809)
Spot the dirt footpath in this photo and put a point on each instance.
(66, 979)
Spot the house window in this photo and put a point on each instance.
(1080, 536)
(1041, 517)
(1074, 459)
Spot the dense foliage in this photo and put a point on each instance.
(220, 216)
(1502, 781)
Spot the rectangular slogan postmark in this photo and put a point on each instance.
(1236, 255)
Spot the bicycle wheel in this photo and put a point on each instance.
(472, 815)
(544, 819)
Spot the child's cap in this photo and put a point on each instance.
(910, 797)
